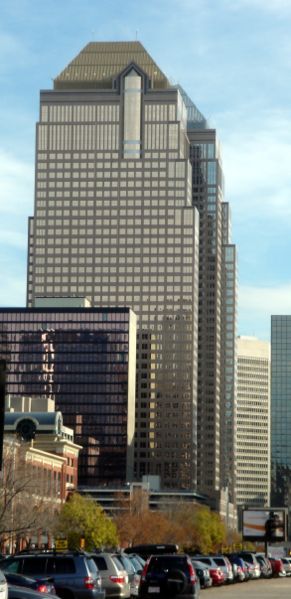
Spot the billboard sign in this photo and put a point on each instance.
(265, 525)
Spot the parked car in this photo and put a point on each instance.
(3, 586)
(43, 585)
(287, 565)
(21, 592)
(168, 576)
(277, 566)
(203, 574)
(131, 572)
(240, 570)
(215, 571)
(265, 565)
(113, 575)
(138, 564)
(250, 558)
(223, 562)
(74, 573)
(146, 550)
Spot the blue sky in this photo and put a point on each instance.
(233, 58)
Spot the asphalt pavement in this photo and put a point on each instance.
(275, 588)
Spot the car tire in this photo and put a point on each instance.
(176, 582)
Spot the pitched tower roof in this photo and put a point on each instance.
(97, 65)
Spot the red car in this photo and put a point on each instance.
(217, 576)
(277, 566)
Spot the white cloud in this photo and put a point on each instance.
(256, 161)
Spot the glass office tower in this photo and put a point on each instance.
(280, 410)
(84, 360)
(116, 219)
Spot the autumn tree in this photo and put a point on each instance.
(200, 528)
(82, 518)
(191, 526)
(22, 509)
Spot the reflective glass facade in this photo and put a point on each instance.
(85, 360)
(280, 410)
(217, 317)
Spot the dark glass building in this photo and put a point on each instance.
(280, 410)
(84, 359)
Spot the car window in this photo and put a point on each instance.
(136, 564)
(65, 565)
(92, 567)
(205, 560)
(219, 561)
(101, 563)
(34, 565)
(128, 564)
(2, 577)
(118, 563)
(13, 565)
(166, 562)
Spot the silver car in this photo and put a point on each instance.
(114, 577)
(137, 564)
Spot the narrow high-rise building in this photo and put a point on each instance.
(281, 411)
(253, 422)
(116, 219)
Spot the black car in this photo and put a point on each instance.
(43, 585)
(169, 576)
(74, 573)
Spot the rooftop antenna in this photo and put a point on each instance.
(136, 33)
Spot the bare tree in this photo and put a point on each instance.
(23, 506)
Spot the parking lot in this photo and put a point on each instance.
(276, 588)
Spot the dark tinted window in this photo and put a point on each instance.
(165, 562)
(50, 568)
(205, 560)
(34, 565)
(65, 565)
(219, 561)
(100, 562)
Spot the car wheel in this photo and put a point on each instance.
(176, 582)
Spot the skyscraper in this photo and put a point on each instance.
(280, 410)
(117, 220)
(253, 422)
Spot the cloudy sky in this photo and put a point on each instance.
(233, 58)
